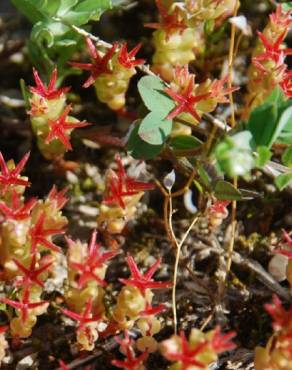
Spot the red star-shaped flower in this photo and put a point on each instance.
(99, 64)
(39, 235)
(187, 353)
(12, 177)
(219, 206)
(287, 243)
(280, 18)
(122, 185)
(24, 306)
(59, 127)
(49, 92)
(58, 198)
(131, 362)
(31, 274)
(221, 342)
(273, 52)
(219, 91)
(17, 211)
(281, 318)
(84, 318)
(127, 58)
(143, 281)
(94, 259)
(169, 22)
(186, 101)
(150, 310)
(286, 84)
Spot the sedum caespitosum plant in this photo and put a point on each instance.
(192, 100)
(179, 35)
(131, 360)
(27, 250)
(268, 68)
(175, 42)
(121, 196)
(200, 351)
(86, 271)
(87, 325)
(111, 72)
(277, 354)
(50, 119)
(134, 304)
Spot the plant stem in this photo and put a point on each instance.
(177, 257)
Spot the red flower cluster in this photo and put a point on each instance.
(274, 52)
(95, 259)
(169, 22)
(219, 206)
(39, 235)
(121, 185)
(12, 176)
(131, 362)
(186, 101)
(127, 58)
(31, 274)
(282, 319)
(48, 92)
(143, 281)
(59, 127)
(287, 243)
(17, 211)
(187, 353)
(221, 342)
(25, 305)
(84, 318)
(99, 63)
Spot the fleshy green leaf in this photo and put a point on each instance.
(151, 91)
(154, 129)
(287, 157)
(284, 180)
(226, 191)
